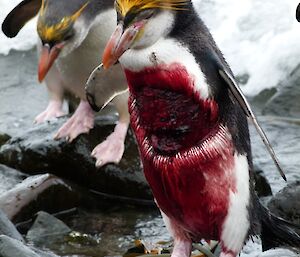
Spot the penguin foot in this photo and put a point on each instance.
(111, 150)
(53, 110)
(82, 121)
(182, 248)
(223, 254)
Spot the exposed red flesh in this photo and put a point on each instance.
(190, 182)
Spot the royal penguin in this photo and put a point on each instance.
(71, 35)
(190, 119)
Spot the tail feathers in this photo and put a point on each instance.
(277, 232)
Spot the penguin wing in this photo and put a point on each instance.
(104, 85)
(18, 17)
(227, 77)
(298, 13)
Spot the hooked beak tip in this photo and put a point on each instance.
(107, 64)
(47, 58)
(41, 78)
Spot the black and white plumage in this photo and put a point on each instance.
(72, 37)
(190, 121)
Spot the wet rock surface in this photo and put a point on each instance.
(262, 186)
(40, 192)
(7, 228)
(286, 102)
(286, 203)
(36, 150)
(9, 178)
(47, 230)
(4, 138)
(10, 247)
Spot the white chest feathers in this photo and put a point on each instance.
(167, 52)
(76, 66)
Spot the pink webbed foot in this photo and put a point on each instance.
(53, 110)
(182, 248)
(81, 122)
(111, 150)
(224, 254)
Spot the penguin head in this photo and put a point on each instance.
(62, 25)
(62, 28)
(140, 24)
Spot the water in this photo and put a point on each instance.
(260, 39)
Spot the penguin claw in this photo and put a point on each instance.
(111, 150)
(81, 122)
(53, 110)
(99, 163)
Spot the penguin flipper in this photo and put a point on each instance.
(298, 13)
(100, 91)
(19, 16)
(236, 91)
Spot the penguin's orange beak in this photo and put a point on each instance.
(47, 58)
(119, 42)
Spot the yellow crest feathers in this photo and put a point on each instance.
(124, 6)
(55, 32)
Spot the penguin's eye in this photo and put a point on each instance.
(134, 16)
(145, 14)
(69, 35)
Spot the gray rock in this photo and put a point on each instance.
(4, 138)
(51, 233)
(40, 192)
(286, 102)
(36, 150)
(11, 247)
(262, 186)
(7, 228)
(9, 178)
(286, 204)
(47, 230)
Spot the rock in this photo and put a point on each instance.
(40, 192)
(9, 178)
(47, 230)
(7, 228)
(36, 150)
(262, 186)
(51, 233)
(4, 138)
(286, 102)
(259, 101)
(286, 204)
(10, 247)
